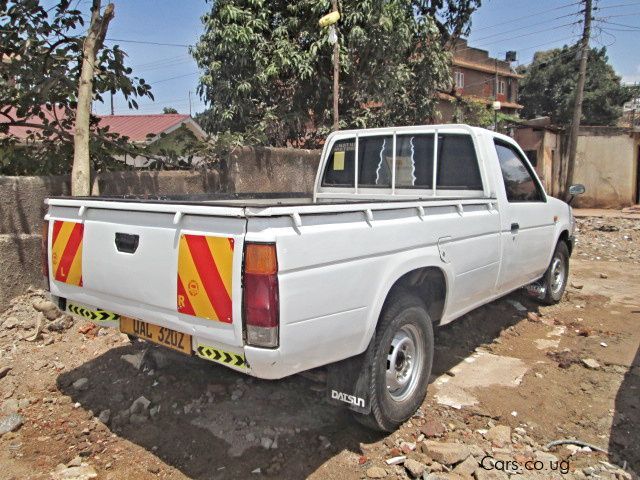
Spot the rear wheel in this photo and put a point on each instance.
(556, 277)
(402, 358)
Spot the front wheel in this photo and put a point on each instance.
(402, 358)
(556, 277)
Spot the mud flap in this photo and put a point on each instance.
(348, 383)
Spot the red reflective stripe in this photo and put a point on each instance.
(186, 308)
(231, 242)
(57, 225)
(210, 276)
(69, 252)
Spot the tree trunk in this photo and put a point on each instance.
(577, 109)
(80, 172)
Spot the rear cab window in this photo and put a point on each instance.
(456, 164)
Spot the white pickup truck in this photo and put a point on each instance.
(407, 228)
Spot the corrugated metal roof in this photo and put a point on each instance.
(139, 127)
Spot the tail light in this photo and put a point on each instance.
(260, 295)
(45, 252)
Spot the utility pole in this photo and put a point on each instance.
(577, 108)
(336, 74)
(112, 112)
(495, 98)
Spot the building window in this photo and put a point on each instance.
(459, 79)
(502, 88)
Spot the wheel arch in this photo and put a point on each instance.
(564, 237)
(431, 281)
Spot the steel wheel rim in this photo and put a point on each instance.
(558, 274)
(404, 363)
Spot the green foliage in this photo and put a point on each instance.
(167, 110)
(548, 88)
(267, 65)
(40, 52)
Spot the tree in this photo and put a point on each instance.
(40, 63)
(168, 110)
(549, 85)
(267, 66)
(80, 171)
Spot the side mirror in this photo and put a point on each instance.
(577, 189)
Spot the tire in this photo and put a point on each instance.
(404, 330)
(555, 278)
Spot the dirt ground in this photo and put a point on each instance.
(83, 402)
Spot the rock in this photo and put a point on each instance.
(76, 462)
(482, 474)
(10, 423)
(140, 406)
(52, 314)
(44, 305)
(81, 384)
(161, 357)
(577, 286)
(236, 394)
(467, 467)
(590, 363)
(266, 443)
(445, 453)
(137, 418)
(104, 416)
(154, 411)
(62, 324)
(121, 418)
(604, 275)
(414, 468)
(545, 457)
(135, 359)
(533, 317)
(376, 472)
(396, 460)
(9, 323)
(499, 435)
(444, 476)
(433, 428)
(82, 472)
(4, 371)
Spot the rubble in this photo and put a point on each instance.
(10, 423)
(445, 453)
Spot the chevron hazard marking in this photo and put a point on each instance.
(97, 315)
(220, 356)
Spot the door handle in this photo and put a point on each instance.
(126, 242)
(515, 227)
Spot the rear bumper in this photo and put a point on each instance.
(258, 362)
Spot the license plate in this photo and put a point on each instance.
(156, 334)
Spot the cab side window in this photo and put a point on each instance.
(519, 182)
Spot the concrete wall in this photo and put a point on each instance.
(22, 200)
(606, 163)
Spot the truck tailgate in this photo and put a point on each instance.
(172, 269)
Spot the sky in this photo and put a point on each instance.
(498, 26)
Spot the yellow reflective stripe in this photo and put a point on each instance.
(75, 273)
(188, 273)
(223, 258)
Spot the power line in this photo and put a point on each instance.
(528, 16)
(173, 78)
(141, 42)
